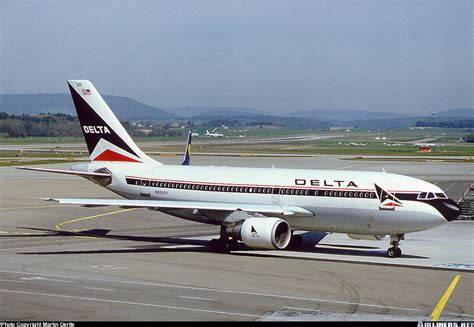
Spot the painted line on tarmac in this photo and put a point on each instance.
(60, 225)
(289, 255)
(22, 233)
(55, 245)
(195, 298)
(131, 303)
(215, 290)
(269, 295)
(49, 279)
(99, 289)
(351, 166)
(301, 309)
(459, 314)
(12, 281)
(444, 299)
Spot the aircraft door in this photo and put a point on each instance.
(275, 195)
(145, 187)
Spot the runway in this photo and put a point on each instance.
(58, 262)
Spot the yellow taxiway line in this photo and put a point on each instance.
(444, 299)
(60, 225)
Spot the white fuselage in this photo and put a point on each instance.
(342, 201)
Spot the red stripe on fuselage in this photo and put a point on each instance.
(392, 204)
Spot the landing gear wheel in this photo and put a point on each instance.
(296, 242)
(394, 252)
(220, 245)
(233, 244)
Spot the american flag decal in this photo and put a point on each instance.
(86, 91)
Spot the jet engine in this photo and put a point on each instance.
(262, 233)
(366, 237)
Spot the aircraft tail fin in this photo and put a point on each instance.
(187, 152)
(106, 138)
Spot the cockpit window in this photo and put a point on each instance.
(422, 195)
(431, 196)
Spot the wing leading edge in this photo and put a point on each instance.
(266, 209)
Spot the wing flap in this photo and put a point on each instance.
(272, 209)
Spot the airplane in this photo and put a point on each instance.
(260, 207)
(214, 134)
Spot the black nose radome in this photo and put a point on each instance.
(450, 210)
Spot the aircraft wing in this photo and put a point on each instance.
(68, 172)
(266, 209)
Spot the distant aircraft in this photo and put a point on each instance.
(261, 207)
(213, 134)
(428, 145)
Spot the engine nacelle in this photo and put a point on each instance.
(366, 237)
(263, 233)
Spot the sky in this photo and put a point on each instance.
(278, 56)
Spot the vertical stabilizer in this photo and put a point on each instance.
(187, 151)
(106, 138)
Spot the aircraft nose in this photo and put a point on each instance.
(450, 210)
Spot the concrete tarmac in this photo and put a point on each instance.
(151, 266)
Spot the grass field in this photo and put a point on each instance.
(444, 142)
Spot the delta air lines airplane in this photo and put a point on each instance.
(260, 207)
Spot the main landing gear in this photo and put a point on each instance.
(395, 251)
(223, 244)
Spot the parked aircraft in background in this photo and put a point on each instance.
(261, 207)
(214, 134)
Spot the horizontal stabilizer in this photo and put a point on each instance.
(266, 209)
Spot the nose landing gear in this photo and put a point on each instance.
(395, 251)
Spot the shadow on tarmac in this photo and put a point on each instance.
(311, 239)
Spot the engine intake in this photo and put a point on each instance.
(262, 233)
